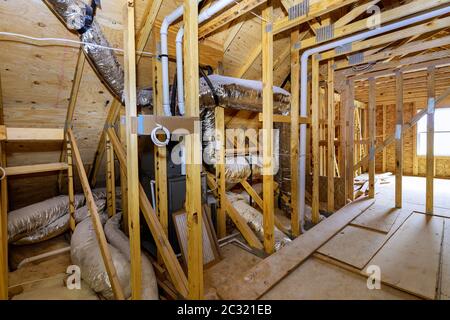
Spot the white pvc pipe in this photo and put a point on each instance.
(168, 20)
(304, 81)
(203, 16)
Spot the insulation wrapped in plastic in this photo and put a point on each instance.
(241, 94)
(85, 253)
(96, 46)
(120, 241)
(54, 229)
(28, 220)
(236, 169)
(83, 212)
(238, 94)
(254, 219)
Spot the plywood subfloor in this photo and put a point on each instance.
(411, 248)
(318, 280)
(235, 261)
(410, 260)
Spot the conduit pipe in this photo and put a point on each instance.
(203, 16)
(304, 80)
(168, 20)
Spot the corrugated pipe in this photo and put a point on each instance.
(78, 16)
(304, 82)
(203, 16)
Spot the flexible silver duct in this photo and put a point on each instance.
(95, 45)
(254, 219)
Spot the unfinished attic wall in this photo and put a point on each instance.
(410, 160)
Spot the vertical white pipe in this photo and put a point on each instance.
(203, 16)
(304, 81)
(168, 20)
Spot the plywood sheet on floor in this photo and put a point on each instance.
(318, 280)
(235, 261)
(379, 217)
(354, 246)
(445, 259)
(410, 259)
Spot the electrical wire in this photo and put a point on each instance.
(63, 40)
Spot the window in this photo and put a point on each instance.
(441, 133)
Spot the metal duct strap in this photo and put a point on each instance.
(299, 9)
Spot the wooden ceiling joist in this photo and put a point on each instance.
(403, 50)
(360, 25)
(229, 15)
(393, 36)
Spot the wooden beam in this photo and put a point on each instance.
(79, 68)
(406, 65)
(34, 134)
(35, 168)
(254, 195)
(3, 213)
(315, 96)
(350, 107)
(70, 184)
(193, 154)
(372, 136)
(331, 156)
(390, 37)
(250, 60)
(116, 105)
(220, 170)
(160, 153)
(295, 135)
(110, 178)
(316, 8)
(229, 15)
(403, 50)
(267, 84)
(399, 12)
(163, 245)
(103, 244)
(235, 216)
(132, 149)
(286, 119)
(399, 141)
(354, 13)
(123, 173)
(150, 14)
(429, 203)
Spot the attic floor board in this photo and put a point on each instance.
(418, 265)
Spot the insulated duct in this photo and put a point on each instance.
(78, 16)
(40, 221)
(240, 94)
(254, 219)
(119, 240)
(85, 253)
